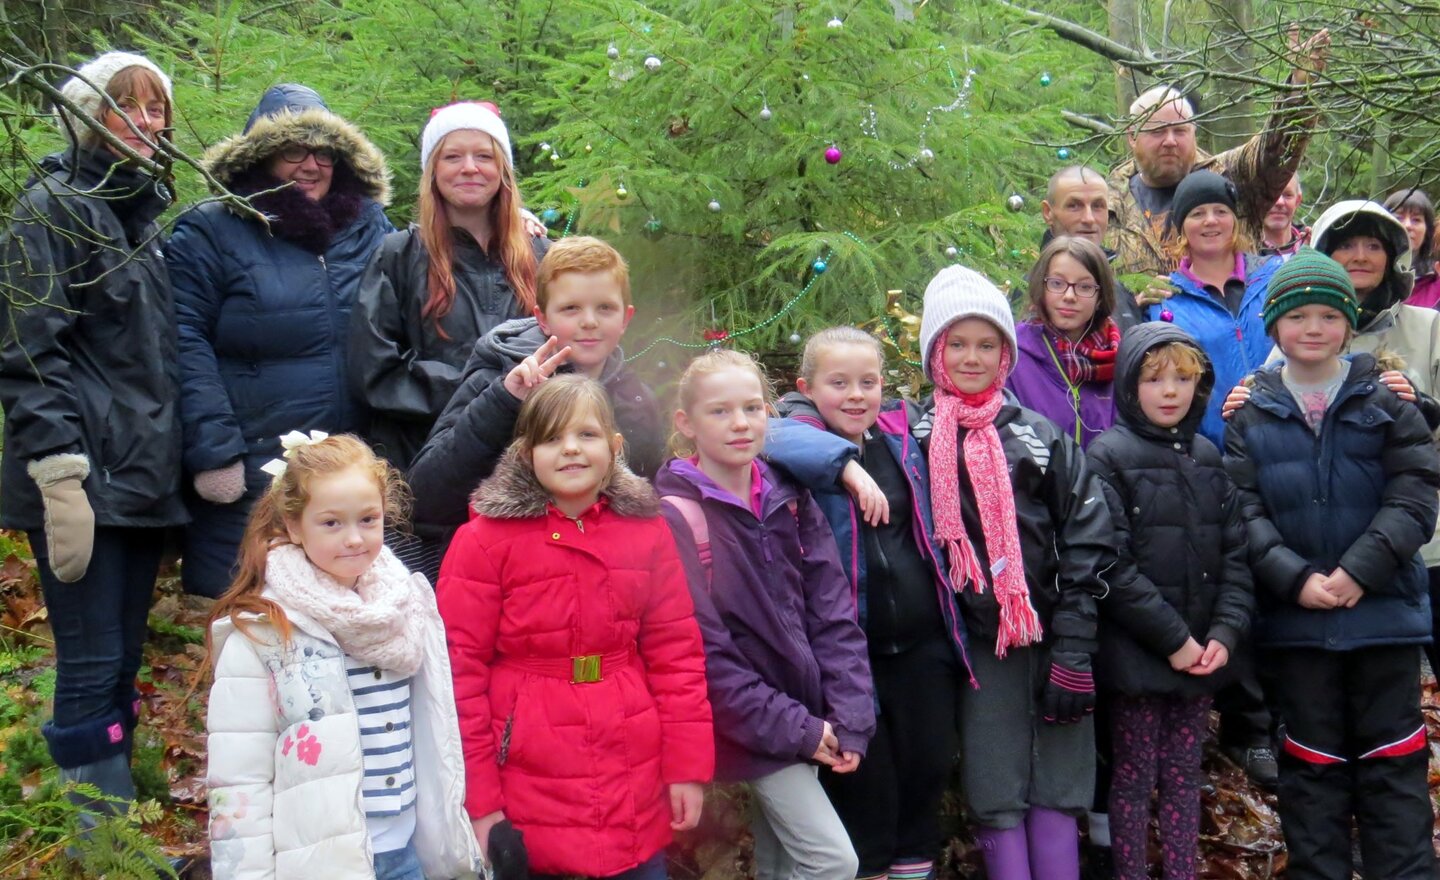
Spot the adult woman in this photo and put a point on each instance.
(1219, 287)
(1416, 213)
(264, 312)
(89, 385)
(432, 290)
(1066, 365)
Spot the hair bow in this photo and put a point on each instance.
(290, 442)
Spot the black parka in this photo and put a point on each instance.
(400, 365)
(1182, 568)
(88, 351)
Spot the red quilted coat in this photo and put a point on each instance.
(581, 768)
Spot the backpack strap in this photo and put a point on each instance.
(694, 516)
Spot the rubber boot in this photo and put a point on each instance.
(1005, 853)
(112, 777)
(1053, 839)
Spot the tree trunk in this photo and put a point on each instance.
(1125, 29)
(1233, 120)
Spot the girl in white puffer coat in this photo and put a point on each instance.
(333, 740)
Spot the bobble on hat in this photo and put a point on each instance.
(956, 293)
(1309, 278)
(464, 116)
(100, 72)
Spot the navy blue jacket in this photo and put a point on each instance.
(785, 449)
(264, 317)
(1360, 495)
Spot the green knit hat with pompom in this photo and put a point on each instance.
(1307, 278)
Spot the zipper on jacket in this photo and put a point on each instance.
(504, 751)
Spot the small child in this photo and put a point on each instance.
(1028, 537)
(333, 741)
(1181, 598)
(1338, 479)
(906, 604)
(582, 307)
(786, 661)
(579, 669)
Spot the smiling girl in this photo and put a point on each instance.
(579, 669)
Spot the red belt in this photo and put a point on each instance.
(581, 669)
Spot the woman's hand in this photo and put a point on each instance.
(1156, 292)
(874, 506)
(687, 799)
(1396, 382)
(1234, 400)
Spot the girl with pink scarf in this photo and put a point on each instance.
(1029, 537)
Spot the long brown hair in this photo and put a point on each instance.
(284, 502)
(508, 239)
(1089, 255)
(133, 83)
(552, 407)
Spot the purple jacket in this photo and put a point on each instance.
(783, 651)
(1037, 383)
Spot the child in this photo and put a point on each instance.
(582, 307)
(1338, 479)
(907, 606)
(1027, 552)
(786, 660)
(1181, 596)
(579, 669)
(333, 737)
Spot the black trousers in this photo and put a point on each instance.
(1246, 719)
(891, 805)
(1353, 748)
(1432, 650)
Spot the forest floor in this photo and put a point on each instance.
(1240, 831)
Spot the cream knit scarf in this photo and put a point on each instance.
(381, 622)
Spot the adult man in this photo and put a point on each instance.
(1283, 236)
(1077, 203)
(1163, 151)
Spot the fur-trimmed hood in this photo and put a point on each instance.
(513, 492)
(312, 127)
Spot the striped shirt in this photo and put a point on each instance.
(382, 701)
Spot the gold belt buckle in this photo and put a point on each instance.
(585, 669)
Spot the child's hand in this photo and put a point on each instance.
(1216, 656)
(1188, 655)
(1314, 595)
(1343, 587)
(1396, 382)
(848, 763)
(829, 749)
(874, 506)
(532, 372)
(482, 828)
(686, 801)
(1234, 400)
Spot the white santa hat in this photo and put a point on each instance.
(464, 116)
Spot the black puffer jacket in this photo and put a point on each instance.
(479, 422)
(88, 351)
(1183, 569)
(400, 365)
(1065, 534)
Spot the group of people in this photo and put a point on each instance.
(1128, 501)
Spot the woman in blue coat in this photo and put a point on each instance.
(264, 313)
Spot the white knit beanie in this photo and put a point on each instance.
(464, 116)
(955, 293)
(100, 72)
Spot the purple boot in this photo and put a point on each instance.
(1054, 844)
(1005, 853)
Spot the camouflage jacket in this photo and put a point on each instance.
(1259, 168)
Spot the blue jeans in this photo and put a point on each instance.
(399, 864)
(100, 623)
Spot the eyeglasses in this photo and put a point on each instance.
(295, 154)
(1083, 289)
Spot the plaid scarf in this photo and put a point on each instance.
(1092, 359)
(994, 498)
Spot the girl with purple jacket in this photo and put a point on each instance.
(1065, 363)
(785, 659)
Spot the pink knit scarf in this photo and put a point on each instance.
(994, 496)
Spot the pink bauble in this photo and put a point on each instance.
(833, 155)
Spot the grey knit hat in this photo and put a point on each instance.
(100, 72)
(957, 292)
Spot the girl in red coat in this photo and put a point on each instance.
(579, 669)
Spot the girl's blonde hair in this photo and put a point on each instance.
(831, 337)
(509, 242)
(554, 406)
(284, 502)
(716, 361)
